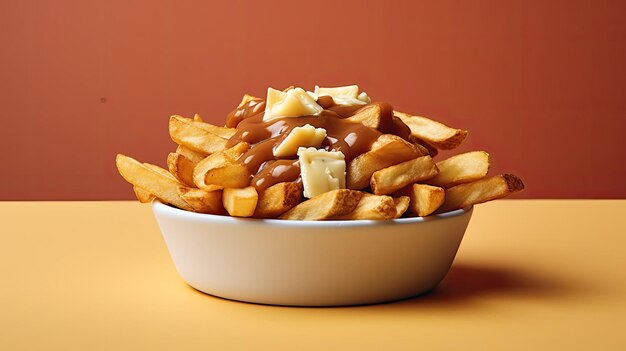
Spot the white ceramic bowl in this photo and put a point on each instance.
(311, 263)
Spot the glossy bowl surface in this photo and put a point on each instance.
(311, 263)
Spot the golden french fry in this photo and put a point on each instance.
(479, 191)
(434, 133)
(402, 204)
(155, 182)
(240, 202)
(388, 150)
(184, 132)
(278, 199)
(369, 116)
(324, 206)
(379, 207)
(462, 168)
(380, 116)
(159, 170)
(236, 151)
(423, 150)
(392, 178)
(142, 195)
(425, 199)
(193, 156)
(197, 118)
(246, 99)
(221, 170)
(198, 200)
(203, 201)
(431, 150)
(223, 132)
(181, 167)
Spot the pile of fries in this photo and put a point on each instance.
(397, 177)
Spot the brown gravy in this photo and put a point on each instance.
(351, 138)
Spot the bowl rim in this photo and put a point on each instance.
(160, 207)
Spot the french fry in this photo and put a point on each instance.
(324, 206)
(382, 119)
(369, 116)
(423, 150)
(221, 170)
(434, 133)
(278, 199)
(378, 207)
(224, 132)
(184, 132)
(159, 170)
(462, 168)
(197, 122)
(432, 151)
(425, 199)
(142, 195)
(482, 190)
(181, 167)
(190, 198)
(193, 156)
(155, 182)
(236, 151)
(402, 204)
(388, 150)
(203, 201)
(392, 178)
(198, 200)
(240, 202)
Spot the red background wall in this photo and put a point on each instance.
(539, 84)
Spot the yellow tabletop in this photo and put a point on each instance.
(530, 274)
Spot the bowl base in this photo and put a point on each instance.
(314, 305)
